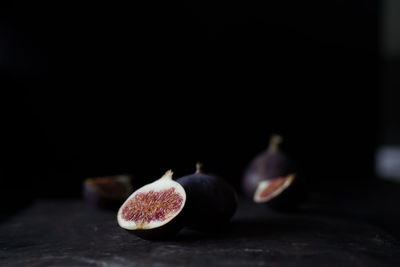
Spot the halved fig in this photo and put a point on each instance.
(272, 178)
(152, 211)
(107, 191)
(268, 189)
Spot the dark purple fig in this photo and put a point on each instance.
(272, 178)
(211, 201)
(153, 211)
(108, 191)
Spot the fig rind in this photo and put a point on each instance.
(211, 201)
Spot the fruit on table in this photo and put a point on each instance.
(272, 178)
(107, 191)
(153, 211)
(211, 201)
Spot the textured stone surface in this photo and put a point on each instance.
(72, 233)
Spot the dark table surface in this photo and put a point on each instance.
(70, 232)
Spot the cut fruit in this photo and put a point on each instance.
(270, 164)
(146, 209)
(153, 207)
(268, 189)
(107, 191)
(111, 186)
(273, 178)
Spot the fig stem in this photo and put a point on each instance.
(199, 167)
(167, 175)
(274, 143)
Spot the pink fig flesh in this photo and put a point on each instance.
(153, 205)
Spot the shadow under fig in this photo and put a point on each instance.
(248, 228)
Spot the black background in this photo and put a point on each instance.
(99, 89)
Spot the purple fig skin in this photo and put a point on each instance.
(211, 202)
(93, 197)
(271, 164)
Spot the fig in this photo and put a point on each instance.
(211, 201)
(153, 211)
(272, 178)
(108, 191)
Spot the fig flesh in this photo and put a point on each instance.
(152, 211)
(268, 189)
(211, 201)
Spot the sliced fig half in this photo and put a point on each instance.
(273, 178)
(152, 211)
(107, 191)
(268, 189)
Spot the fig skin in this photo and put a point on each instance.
(107, 192)
(271, 164)
(210, 201)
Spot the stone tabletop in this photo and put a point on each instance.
(73, 233)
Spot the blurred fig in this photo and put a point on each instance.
(273, 178)
(108, 191)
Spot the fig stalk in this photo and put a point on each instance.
(274, 143)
